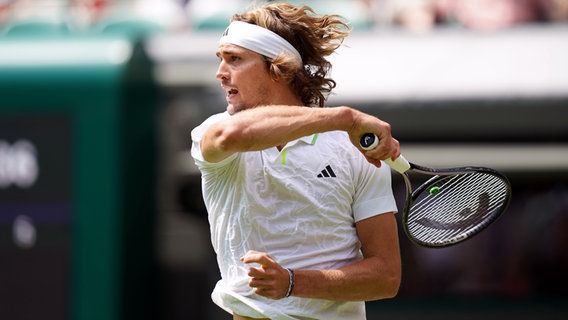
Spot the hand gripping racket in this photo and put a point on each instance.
(453, 205)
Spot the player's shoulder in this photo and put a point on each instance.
(335, 137)
(337, 140)
(215, 118)
(198, 131)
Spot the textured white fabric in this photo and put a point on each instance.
(259, 40)
(275, 202)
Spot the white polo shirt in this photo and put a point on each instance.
(300, 206)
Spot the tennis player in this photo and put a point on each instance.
(302, 219)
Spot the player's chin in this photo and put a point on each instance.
(234, 108)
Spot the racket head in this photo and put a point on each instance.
(455, 205)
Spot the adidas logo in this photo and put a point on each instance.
(226, 33)
(327, 172)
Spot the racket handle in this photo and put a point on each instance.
(370, 141)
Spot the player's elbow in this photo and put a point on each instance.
(221, 141)
(227, 137)
(392, 286)
(388, 290)
(388, 285)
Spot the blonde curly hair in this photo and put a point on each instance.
(314, 36)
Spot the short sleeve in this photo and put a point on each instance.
(373, 193)
(197, 135)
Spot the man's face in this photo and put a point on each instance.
(244, 77)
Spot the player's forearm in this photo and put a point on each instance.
(265, 127)
(370, 279)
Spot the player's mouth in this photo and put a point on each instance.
(231, 93)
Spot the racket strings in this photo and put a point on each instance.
(461, 206)
(449, 217)
(449, 220)
(459, 187)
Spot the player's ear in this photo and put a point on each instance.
(282, 69)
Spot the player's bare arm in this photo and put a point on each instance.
(264, 127)
(375, 277)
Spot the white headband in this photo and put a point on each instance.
(258, 39)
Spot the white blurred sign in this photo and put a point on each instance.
(18, 164)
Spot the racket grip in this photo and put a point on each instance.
(370, 141)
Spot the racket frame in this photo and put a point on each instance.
(440, 174)
(369, 141)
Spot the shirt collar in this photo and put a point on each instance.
(311, 139)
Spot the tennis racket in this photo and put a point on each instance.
(454, 205)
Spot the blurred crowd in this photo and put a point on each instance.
(77, 15)
(413, 15)
(423, 15)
